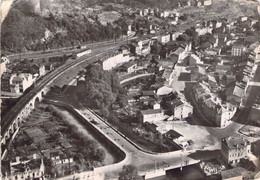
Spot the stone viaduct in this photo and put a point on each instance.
(13, 123)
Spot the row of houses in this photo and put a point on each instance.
(21, 77)
(216, 110)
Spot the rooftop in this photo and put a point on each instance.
(151, 111)
(173, 134)
(176, 103)
(231, 173)
(235, 142)
(128, 64)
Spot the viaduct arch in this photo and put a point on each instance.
(14, 125)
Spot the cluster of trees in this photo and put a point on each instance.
(129, 172)
(23, 29)
(101, 89)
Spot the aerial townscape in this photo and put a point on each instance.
(130, 90)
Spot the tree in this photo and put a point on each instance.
(129, 172)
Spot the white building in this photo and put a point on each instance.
(4, 62)
(20, 82)
(238, 50)
(164, 38)
(207, 2)
(203, 31)
(181, 109)
(112, 60)
(151, 115)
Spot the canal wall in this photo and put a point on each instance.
(98, 173)
(111, 147)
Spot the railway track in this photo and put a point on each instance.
(11, 115)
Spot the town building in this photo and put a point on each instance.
(207, 2)
(48, 67)
(151, 115)
(141, 47)
(5, 82)
(128, 67)
(38, 69)
(20, 82)
(164, 38)
(114, 59)
(3, 63)
(173, 135)
(25, 169)
(180, 109)
(58, 158)
(218, 111)
(238, 50)
(233, 149)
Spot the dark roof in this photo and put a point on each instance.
(151, 111)
(6, 76)
(235, 142)
(184, 77)
(128, 64)
(54, 154)
(150, 126)
(17, 79)
(148, 93)
(173, 134)
(176, 103)
(231, 173)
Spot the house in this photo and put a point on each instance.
(180, 53)
(232, 174)
(234, 148)
(151, 115)
(212, 82)
(239, 90)
(20, 82)
(150, 127)
(180, 109)
(58, 158)
(48, 67)
(218, 111)
(222, 69)
(164, 38)
(37, 69)
(128, 67)
(173, 135)
(5, 82)
(149, 93)
(155, 105)
(207, 2)
(140, 47)
(225, 114)
(238, 50)
(25, 169)
(3, 62)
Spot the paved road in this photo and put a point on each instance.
(143, 160)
